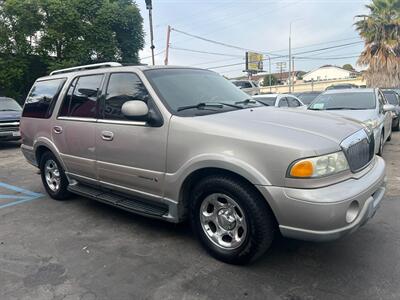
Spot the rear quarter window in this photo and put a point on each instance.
(42, 98)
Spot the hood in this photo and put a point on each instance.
(286, 120)
(355, 115)
(10, 115)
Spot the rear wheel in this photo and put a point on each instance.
(53, 177)
(231, 220)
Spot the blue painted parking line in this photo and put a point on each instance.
(23, 196)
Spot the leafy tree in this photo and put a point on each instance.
(348, 67)
(380, 30)
(43, 35)
(274, 80)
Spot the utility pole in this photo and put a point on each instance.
(290, 57)
(149, 6)
(293, 74)
(270, 74)
(167, 47)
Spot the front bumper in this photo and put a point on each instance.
(320, 214)
(10, 135)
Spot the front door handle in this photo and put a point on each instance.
(57, 129)
(107, 135)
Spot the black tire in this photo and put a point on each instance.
(260, 221)
(60, 193)
(381, 143)
(397, 125)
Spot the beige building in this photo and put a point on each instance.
(328, 73)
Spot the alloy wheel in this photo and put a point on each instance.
(223, 221)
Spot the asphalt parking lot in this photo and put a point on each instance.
(81, 249)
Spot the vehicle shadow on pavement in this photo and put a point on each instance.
(10, 145)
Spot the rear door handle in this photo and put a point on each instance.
(57, 129)
(107, 135)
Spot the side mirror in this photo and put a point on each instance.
(135, 109)
(388, 107)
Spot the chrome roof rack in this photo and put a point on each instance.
(86, 67)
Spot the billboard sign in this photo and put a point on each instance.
(254, 62)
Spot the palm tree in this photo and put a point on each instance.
(381, 32)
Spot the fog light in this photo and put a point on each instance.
(352, 211)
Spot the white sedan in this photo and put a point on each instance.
(279, 100)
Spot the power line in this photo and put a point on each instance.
(331, 47)
(217, 42)
(158, 53)
(204, 52)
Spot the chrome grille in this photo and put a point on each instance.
(359, 149)
(9, 126)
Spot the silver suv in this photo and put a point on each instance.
(181, 143)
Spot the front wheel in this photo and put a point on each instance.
(232, 221)
(381, 142)
(53, 177)
(397, 125)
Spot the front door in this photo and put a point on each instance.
(131, 155)
(73, 131)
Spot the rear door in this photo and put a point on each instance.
(73, 131)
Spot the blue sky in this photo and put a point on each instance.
(261, 25)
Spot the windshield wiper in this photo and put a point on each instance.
(246, 101)
(263, 103)
(8, 109)
(201, 105)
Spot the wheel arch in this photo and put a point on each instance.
(43, 145)
(190, 182)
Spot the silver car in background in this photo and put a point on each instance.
(368, 106)
(279, 100)
(179, 144)
(248, 86)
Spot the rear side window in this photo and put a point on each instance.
(42, 98)
(81, 98)
(123, 87)
(293, 102)
(283, 103)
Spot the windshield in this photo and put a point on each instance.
(391, 97)
(269, 101)
(8, 104)
(180, 88)
(336, 101)
(307, 98)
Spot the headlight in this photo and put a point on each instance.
(319, 166)
(372, 124)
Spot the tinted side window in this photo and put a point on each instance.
(283, 103)
(67, 99)
(247, 85)
(123, 87)
(81, 97)
(40, 102)
(293, 102)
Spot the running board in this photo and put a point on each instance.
(141, 207)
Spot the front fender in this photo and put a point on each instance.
(175, 180)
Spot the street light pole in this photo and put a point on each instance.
(290, 57)
(149, 6)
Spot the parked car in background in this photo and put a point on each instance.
(279, 100)
(394, 98)
(185, 144)
(248, 86)
(368, 106)
(342, 86)
(10, 114)
(307, 97)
